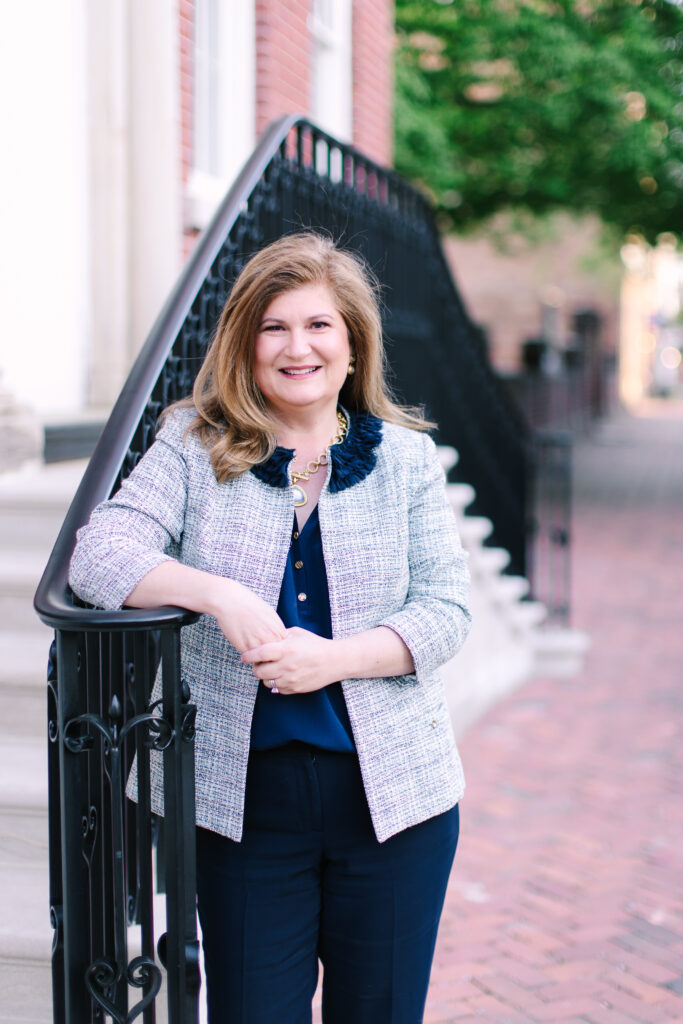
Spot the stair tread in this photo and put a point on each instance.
(17, 564)
(23, 772)
(23, 657)
(48, 486)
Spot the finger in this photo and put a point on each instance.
(264, 670)
(265, 652)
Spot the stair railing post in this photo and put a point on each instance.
(181, 943)
(75, 881)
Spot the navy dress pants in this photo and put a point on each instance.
(310, 882)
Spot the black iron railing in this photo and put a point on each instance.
(103, 663)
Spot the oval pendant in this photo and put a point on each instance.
(300, 497)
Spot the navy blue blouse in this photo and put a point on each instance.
(320, 717)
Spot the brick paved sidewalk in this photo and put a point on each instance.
(566, 899)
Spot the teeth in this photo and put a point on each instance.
(300, 373)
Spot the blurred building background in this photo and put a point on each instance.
(124, 125)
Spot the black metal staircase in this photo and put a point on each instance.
(103, 663)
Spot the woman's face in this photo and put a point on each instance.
(302, 351)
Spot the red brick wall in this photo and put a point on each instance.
(186, 35)
(373, 40)
(185, 38)
(283, 59)
(283, 73)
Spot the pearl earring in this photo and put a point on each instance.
(352, 365)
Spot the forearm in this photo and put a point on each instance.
(181, 585)
(372, 654)
(243, 617)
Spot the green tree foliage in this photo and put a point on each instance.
(541, 105)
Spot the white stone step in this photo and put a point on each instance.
(527, 615)
(474, 530)
(560, 651)
(26, 988)
(34, 501)
(460, 496)
(25, 931)
(23, 681)
(488, 561)
(23, 772)
(23, 657)
(20, 573)
(448, 457)
(511, 589)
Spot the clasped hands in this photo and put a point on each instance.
(298, 662)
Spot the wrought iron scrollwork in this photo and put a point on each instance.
(298, 177)
(161, 732)
(188, 724)
(101, 979)
(57, 924)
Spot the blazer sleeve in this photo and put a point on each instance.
(137, 529)
(435, 619)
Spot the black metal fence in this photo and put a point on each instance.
(103, 664)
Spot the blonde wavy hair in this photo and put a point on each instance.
(232, 418)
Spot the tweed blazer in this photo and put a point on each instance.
(393, 558)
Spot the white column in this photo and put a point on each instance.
(109, 153)
(43, 204)
(155, 206)
(225, 102)
(136, 245)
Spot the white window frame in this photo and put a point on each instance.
(225, 80)
(330, 24)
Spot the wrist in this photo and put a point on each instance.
(341, 662)
(216, 591)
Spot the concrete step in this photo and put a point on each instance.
(474, 530)
(527, 615)
(26, 988)
(489, 561)
(511, 589)
(560, 651)
(20, 573)
(448, 457)
(460, 496)
(23, 773)
(23, 681)
(25, 930)
(23, 657)
(34, 500)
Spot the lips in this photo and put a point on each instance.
(299, 371)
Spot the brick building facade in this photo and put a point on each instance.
(147, 111)
(331, 61)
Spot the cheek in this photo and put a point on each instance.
(264, 355)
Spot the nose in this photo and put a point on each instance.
(298, 344)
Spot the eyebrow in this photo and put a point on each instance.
(278, 320)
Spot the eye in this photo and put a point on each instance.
(318, 324)
(271, 328)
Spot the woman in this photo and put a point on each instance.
(303, 513)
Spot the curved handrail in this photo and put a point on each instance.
(353, 171)
(51, 601)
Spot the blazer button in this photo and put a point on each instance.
(298, 565)
(301, 597)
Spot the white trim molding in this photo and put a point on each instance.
(224, 102)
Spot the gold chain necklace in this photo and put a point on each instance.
(300, 496)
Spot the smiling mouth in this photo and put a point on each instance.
(302, 371)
